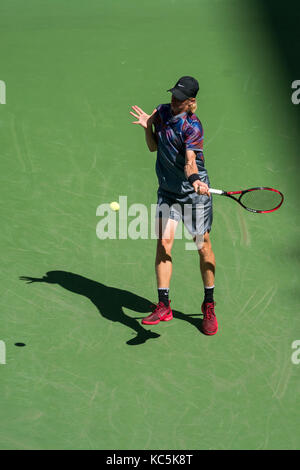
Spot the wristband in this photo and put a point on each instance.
(194, 177)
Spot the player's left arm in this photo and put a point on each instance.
(190, 168)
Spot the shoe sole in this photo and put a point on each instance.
(210, 333)
(167, 318)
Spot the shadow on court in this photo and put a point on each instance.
(110, 302)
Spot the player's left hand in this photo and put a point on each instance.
(143, 119)
(201, 188)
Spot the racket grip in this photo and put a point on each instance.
(216, 191)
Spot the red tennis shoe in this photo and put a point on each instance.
(160, 313)
(209, 323)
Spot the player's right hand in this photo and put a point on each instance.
(143, 119)
(201, 188)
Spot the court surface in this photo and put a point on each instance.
(72, 72)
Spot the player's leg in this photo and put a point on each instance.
(163, 259)
(208, 268)
(207, 262)
(166, 229)
(198, 221)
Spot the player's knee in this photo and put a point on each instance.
(204, 250)
(205, 247)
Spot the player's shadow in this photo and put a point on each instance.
(110, 302)
(194, 319)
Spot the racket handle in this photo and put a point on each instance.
(216, 191)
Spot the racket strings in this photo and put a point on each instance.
(261, 199)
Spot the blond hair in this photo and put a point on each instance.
(192, 107)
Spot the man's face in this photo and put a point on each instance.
(178, 106)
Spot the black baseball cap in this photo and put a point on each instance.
(186, 87)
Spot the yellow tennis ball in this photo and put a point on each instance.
(115, 206)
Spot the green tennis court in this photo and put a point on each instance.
(72, 70)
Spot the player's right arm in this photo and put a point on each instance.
(146, 121)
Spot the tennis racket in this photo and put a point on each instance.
(258, 200)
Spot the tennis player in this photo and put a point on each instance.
(175, 132)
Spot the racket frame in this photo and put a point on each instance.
(232, 193)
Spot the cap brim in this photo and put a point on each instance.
(178, 94)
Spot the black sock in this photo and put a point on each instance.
(163, 296)
(209, 294)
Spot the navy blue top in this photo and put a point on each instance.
(175, 135)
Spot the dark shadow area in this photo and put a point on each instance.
(196, 322)
(110, 302)
(283, 20)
